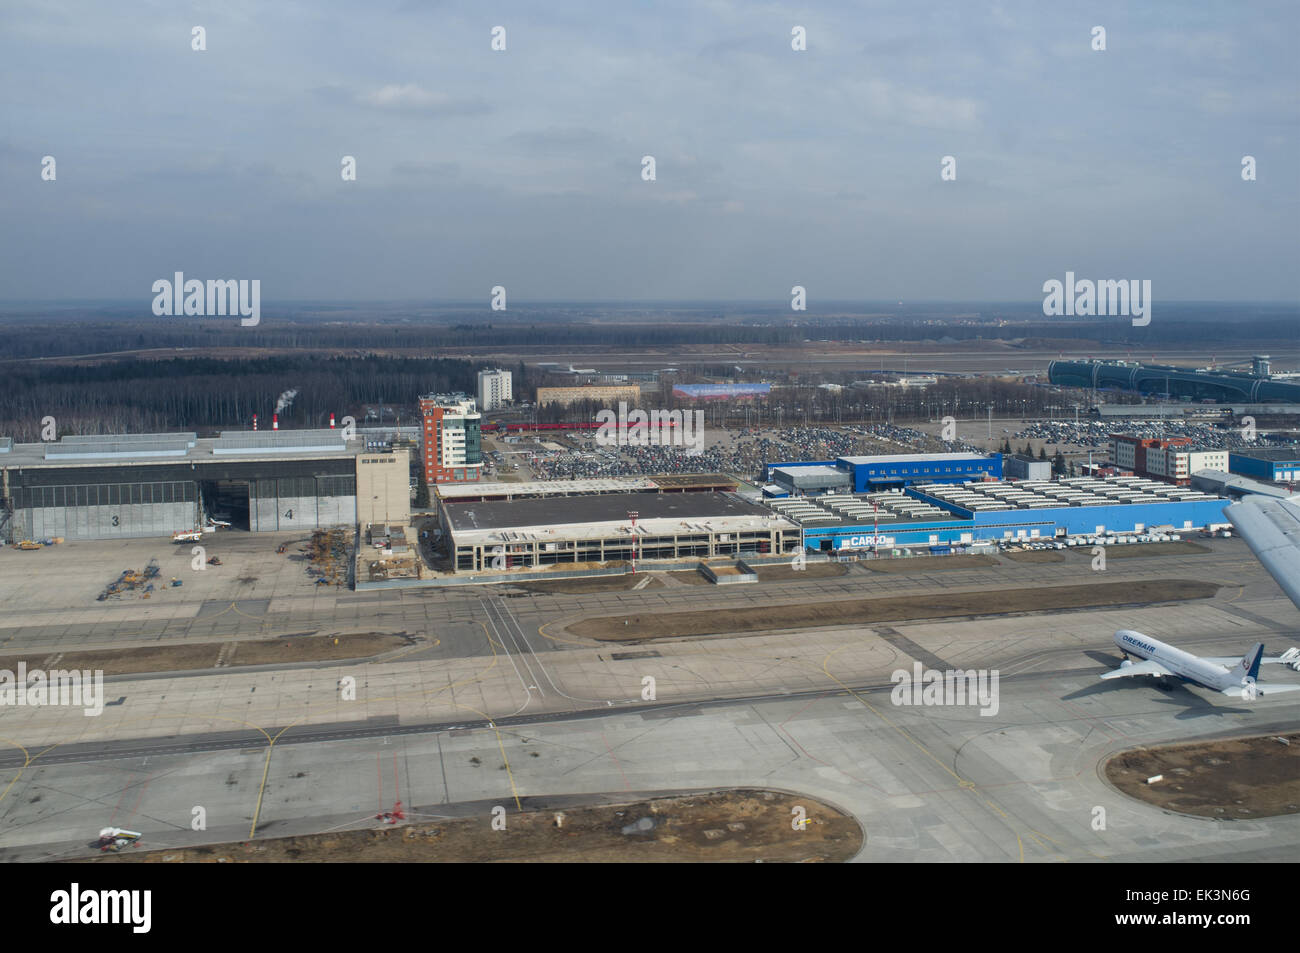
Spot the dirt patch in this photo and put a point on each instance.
(1138, 550)
(784, 572)
(733, 826)
(725, 570)
(929, 563)
(180, 658)
(691, 577)
(937, 605)
(592, 584)
(1037, 556)
(1238, 778)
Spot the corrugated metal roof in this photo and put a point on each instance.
(107, 448)
(278, 441)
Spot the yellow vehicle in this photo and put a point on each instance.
(29, 544)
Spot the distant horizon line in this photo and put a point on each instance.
(483, 303)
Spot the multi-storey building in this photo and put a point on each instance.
(609, 395)
(452, 438)
(1172, 458)
(495, 390)
(1130, 453)
(1177, 464)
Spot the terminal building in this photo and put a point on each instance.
(1258, 385)
(141, 485)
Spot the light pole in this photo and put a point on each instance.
(632, 515)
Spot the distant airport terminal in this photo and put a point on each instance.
(1258, 385)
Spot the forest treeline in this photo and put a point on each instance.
(64, 335)
(206, 394)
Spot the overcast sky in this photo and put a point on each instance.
(522, 168)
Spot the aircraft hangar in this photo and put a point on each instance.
(141, 485)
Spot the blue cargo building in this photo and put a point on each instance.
(893, 471)
(904, 469)
(1266, 464)
(941, 517)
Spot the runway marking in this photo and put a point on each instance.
(500, 744)
(961, 782)
(138, 798)
(27, 760)
(508, 618)
(626, 786)
(541, 630)
(1084, 849)
(261, 790)
(898, 728)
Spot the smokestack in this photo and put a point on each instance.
(275, 421)
(331, 420)
(255, 421)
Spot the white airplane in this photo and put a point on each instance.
(1271, 527)
(1160, 660)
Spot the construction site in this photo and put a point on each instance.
(327, 554)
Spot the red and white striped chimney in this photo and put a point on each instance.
(275, 421)
(331, 420)
(254, 421)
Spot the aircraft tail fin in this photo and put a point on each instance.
(1248, 667)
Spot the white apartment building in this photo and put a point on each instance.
(1179, 463)
(495, 390)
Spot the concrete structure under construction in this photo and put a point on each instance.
(597, 486)
(593, 532)
(142, 485)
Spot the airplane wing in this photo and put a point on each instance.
(1148, 667)
(1271, 528)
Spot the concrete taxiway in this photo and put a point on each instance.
(506, 707)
